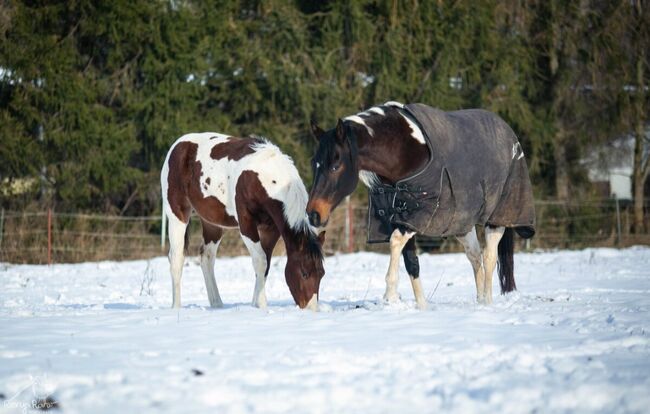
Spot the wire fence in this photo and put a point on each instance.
(62, 237)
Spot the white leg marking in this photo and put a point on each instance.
(176, 256)
(208, 255)
(259, 264)
(473, 252)
(420, 300)
(397, 243)
(492, 238)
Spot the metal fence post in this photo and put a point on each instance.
(2, 225)
(618, 222)
(49, 236)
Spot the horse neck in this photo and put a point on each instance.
(289, 235)
(392, 158)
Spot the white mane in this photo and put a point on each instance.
(280, 178)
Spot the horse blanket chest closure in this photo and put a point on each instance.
(476, 174)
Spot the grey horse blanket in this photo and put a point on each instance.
(476, 174)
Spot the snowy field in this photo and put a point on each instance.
(100, 337)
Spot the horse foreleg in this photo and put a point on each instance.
(176, 256)
(492, 237)
(412, 265)
(211, 240)
(473, 251)
(259, 265)
(397, 242)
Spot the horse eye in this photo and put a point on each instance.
(304, 275)
(334, 167)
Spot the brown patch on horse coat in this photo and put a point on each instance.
(184, 192)
(211, 233)
(259, 206)
(180, 159)
(235, 148)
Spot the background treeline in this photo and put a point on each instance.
(92, 93)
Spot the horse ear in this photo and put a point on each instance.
(340, 131)
(321, 237)
(316, 131)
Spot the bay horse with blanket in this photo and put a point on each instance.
(245, 184)
(429, 172)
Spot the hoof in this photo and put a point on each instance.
(392, 297)
(421, 306)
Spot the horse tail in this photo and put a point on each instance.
(506, 262)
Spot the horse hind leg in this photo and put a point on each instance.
(211, 239)
(412, 265)
(493, 236)
(177, 241)
(473, 251)
(397, 242)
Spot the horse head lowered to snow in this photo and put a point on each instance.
(245, 184)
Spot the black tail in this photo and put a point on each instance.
(506, 262)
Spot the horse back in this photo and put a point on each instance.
(201, 173)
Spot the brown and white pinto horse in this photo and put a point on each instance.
(384, 145)
(244, 183)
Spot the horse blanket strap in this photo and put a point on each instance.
(476, 174)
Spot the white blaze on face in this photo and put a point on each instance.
(313, 303)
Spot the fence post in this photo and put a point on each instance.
(49, 236)
(163, 232)
(349, 222)
(2, 225)
(618, 222)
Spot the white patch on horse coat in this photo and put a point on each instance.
(394, 103)
(217, 170)
(368, 178)
(377, 110)
(416, 132)
(357, 119)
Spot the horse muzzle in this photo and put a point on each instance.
(312, 305)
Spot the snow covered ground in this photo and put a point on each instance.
(100, 337)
